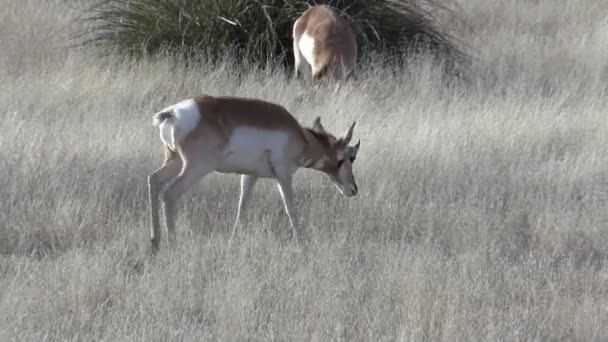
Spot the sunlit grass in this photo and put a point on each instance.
(481, 213)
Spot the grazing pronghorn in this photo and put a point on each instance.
(250, 137)
(325, 41)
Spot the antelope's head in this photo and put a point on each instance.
(339, 159)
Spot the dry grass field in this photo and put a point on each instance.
(482, 213)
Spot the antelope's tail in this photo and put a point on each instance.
(177, 122)
(160, 117)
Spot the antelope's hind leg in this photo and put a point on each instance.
(156, 181)
(297, 59)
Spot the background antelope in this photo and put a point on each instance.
(325, 41)
(250, 137)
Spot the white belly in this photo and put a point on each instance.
(254, 151)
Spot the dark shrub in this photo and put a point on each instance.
(258, 30)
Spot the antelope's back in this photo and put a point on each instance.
(333, 36)
(231, 112)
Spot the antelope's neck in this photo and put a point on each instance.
(314, 155)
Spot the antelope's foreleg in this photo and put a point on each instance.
(156, 181)
(247, 184)
(284, 181)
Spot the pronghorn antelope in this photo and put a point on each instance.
(250, 137)
(325, 41)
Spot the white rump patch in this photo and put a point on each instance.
(307, 47)
(185, 116)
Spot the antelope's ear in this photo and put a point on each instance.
(356, 148)
(349, 134)
(316, 125)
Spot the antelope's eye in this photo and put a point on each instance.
(352, 159)
(340, 162)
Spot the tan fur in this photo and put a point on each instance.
(204, 150)
(223, 114)
(335, 48)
